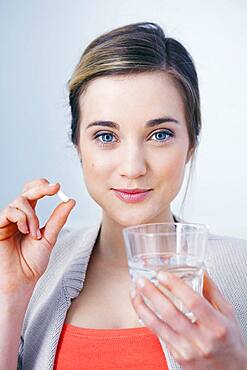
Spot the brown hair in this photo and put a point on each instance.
(136, 48)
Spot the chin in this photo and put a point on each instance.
(128, 220)
(132, 215)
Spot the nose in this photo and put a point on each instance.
(132, 163)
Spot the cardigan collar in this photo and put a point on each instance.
(75, 275)
(74, 280)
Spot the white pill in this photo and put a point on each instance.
(62, 196)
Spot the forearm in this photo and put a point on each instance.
(11, 320)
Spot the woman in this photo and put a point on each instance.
(65, 294)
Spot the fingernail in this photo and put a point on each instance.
(52, 184)
(39, 236)
(132, 292)
(140, 282)
(74, 203)
(163, 277)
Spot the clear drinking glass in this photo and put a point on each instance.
(179, 248)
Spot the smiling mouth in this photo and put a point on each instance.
(132, 195)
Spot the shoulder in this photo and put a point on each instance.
(72, 244)
(222, 245)
(68, 257)
(226, 238)
(226, 252)
(226, 261)
(71, 238)
(71, 235)
(229, 245)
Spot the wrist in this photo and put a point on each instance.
(245, 363)
(11, 311)
(244, 359)
(16, 303)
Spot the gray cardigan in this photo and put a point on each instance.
(63, 281)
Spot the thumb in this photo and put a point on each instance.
(57, 220)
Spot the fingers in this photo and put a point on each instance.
(197, 304)
(20, 214)
(33, 183)
(23, 204)
(31, 221)
(40, 191)
(194, 345)
(165, 308)
(178, 345)
(168, 313)
(186, 341)
(11, 220)
(57, 220)
(150, 319)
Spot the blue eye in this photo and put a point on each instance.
(163, 135)
(104, 138)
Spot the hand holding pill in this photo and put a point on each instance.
(23, 243)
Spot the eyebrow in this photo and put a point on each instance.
(150, 123)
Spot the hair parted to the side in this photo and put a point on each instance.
(135, 48)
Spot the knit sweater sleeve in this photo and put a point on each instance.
(46, 311)
(57, 251)
(227, 266)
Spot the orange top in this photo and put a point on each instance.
(105, 349)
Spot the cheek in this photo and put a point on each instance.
(97, 170)
(94, 160)
(173, 160)
(97, 164)
(172, 170)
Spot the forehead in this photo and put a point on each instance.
(143, 95)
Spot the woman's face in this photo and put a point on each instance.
(123, 147)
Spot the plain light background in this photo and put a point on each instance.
(41, 42)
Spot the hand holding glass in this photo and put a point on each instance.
(178, 248)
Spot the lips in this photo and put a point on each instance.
(132, 191)
(132, 195)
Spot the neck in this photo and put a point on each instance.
(110, 248)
